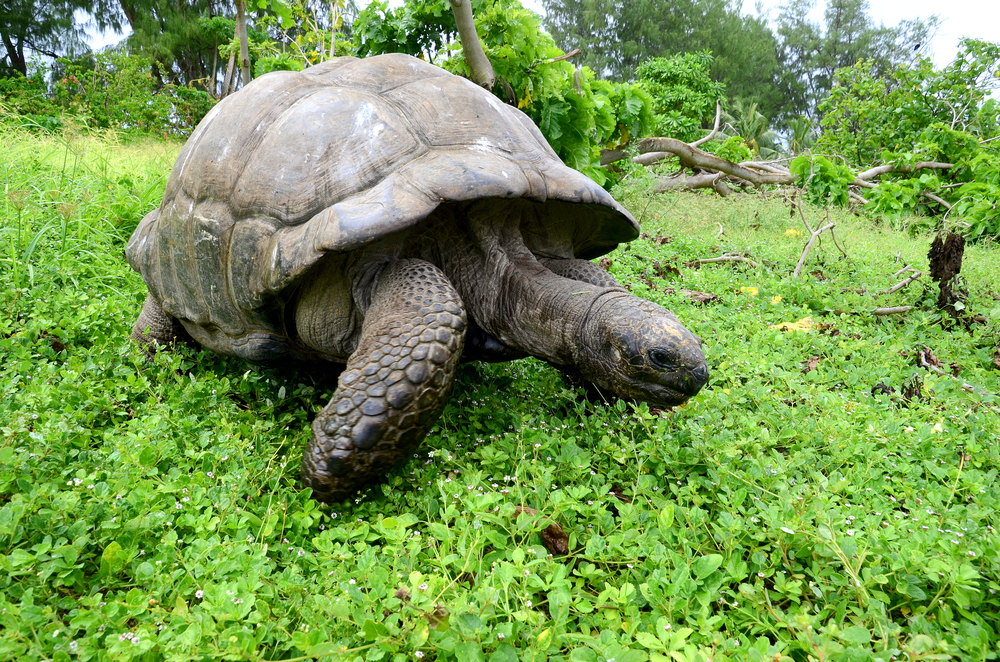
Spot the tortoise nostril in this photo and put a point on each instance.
(700, 375)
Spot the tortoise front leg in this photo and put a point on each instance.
(581, 270)
(395, 384)
(155, 327)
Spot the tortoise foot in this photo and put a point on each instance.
(395, 385)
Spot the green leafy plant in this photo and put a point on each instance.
(825, 181)
(684, 94)
(576, 113)
(151, 509)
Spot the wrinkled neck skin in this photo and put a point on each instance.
(511, 295)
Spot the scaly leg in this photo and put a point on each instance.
(155, 327)
(395, 385)
(581, 270)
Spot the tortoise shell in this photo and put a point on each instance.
(332, 159)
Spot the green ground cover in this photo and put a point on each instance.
(151, 510)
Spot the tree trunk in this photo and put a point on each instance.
(479, 65)
(241, 29)
(16, 55)
(227, 82)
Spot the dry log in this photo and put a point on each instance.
(892, 311)
(691, 182)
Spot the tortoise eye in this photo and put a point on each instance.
(661, 359)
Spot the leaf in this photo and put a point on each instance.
(650, 641)
(469, 651)
(856, 634)
(666, 516)
(419, 634)
(705, 565)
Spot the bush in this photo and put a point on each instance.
(577, 113)
(683, 93)
(109, 90)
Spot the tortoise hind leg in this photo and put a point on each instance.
(155, 327)
(581, 270)
(395, 385)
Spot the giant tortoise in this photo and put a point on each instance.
(389, 215)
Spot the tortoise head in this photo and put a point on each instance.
(639, 350)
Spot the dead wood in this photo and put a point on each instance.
(905, 169)
(728, 257)
(903, 283)
(701, 180)
(945, 259)
(715, 126)
(892, 311)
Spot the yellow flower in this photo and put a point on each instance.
(804, 324)
(726, 391)
(752, 291)
(791, 232)
(776, 299)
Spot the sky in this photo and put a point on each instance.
(959, 18)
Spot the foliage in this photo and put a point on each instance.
(866, 115)
(47, 27)
(684, 94)
(744, 120)
(923, 114)
(109, 90)
(801, 134)
(151, 510)
(576, 113)
(302, 38)
(810, 54)
(733, 149)
(616, 36)
(825, 181)
(419, 27)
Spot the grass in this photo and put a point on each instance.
(151, 510)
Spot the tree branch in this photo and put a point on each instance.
(715, 128)
(931, 196)
(479, 65)
(903, 283)
(892, 311)
(906, 169)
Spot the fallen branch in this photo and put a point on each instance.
(901, 271)
(809, 244)
(927, 365)
(857, 198)
(692, 182)
(693, 157)
(715, 127)
(905, 169)
(892, 311)
(572, 53)
(728, 257)
(813, 235)
(931, 196)
(903, 283)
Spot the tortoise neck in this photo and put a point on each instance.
(512, 296)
